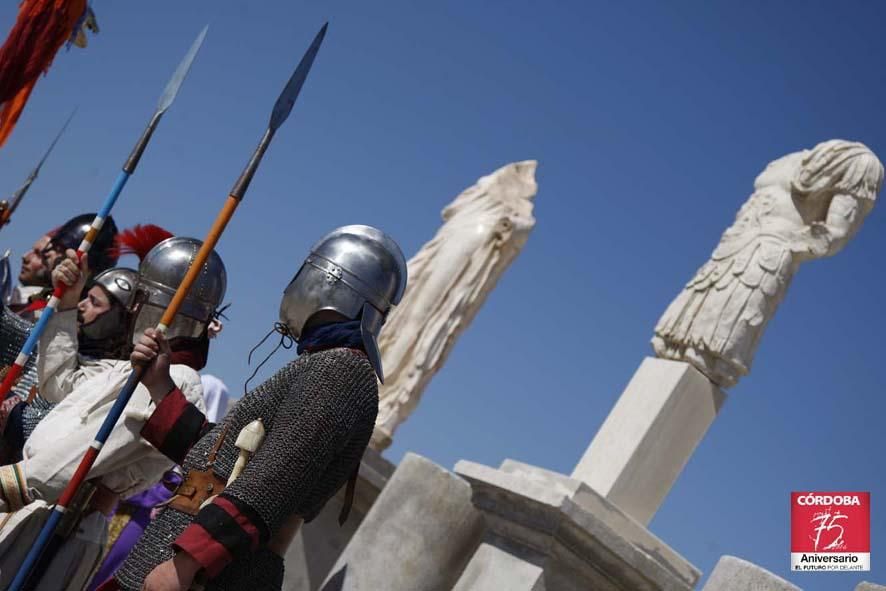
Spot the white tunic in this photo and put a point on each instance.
(85, 390)
(216, 397)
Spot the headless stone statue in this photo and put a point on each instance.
(484, 230)
(805, 205)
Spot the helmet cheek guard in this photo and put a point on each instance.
(371, 322)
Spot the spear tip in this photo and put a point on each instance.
(172, 87)
(290, 93)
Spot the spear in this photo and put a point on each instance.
(7, 212)
(281, 111)
(128, 169)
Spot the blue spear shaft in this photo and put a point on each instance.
(128, 169)
(279, 114)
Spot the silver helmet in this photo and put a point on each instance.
(356, 271)
(120, 284)
(161, 272)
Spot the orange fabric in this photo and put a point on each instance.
(10, 111)
(41, 29)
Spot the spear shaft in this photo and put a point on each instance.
(128, 169)
(282, 108)
(19, 195)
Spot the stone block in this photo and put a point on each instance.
(318, 545)
(418, 535)
(559, 525)
(735, 574)
(494, 569)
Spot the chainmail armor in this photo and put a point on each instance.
(294, 472)
(13, 333)
(34, 413)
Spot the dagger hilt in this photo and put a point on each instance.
(248, 442)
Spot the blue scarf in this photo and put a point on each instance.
(328, 336)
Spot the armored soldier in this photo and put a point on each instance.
(230, 521)
(35, 283)
(103, 322)
(84, 388)
(30, 296)
(103, 318)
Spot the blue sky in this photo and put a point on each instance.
(649, 120)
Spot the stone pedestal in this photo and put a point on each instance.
(548, 532)
(419, 534)
(317, 546)
(735, 574)
(649, 435)
(492, 568)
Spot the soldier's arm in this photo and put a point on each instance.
(58, 370)
(177, 423)
(146, 466)
(175, 426)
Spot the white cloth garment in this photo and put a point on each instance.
(85, 390)
(77, 559)
(127, 464)
(216, 397)
(21, 294)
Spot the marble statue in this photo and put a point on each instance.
(483, 231)
(806, 205)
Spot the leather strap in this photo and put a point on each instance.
(200, 485)
(210, 461)
(349, 497)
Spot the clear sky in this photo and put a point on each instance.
(649, 120)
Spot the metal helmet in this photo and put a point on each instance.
(70, 234)
(107, 335)
(356, 271)
(120, 284)
(161, 272)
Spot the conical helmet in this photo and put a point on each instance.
(356, 271)
(161, 272)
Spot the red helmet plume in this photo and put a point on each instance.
(140, 239)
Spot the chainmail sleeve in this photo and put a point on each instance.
(14, 332)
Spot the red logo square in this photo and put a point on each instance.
(830, 530)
